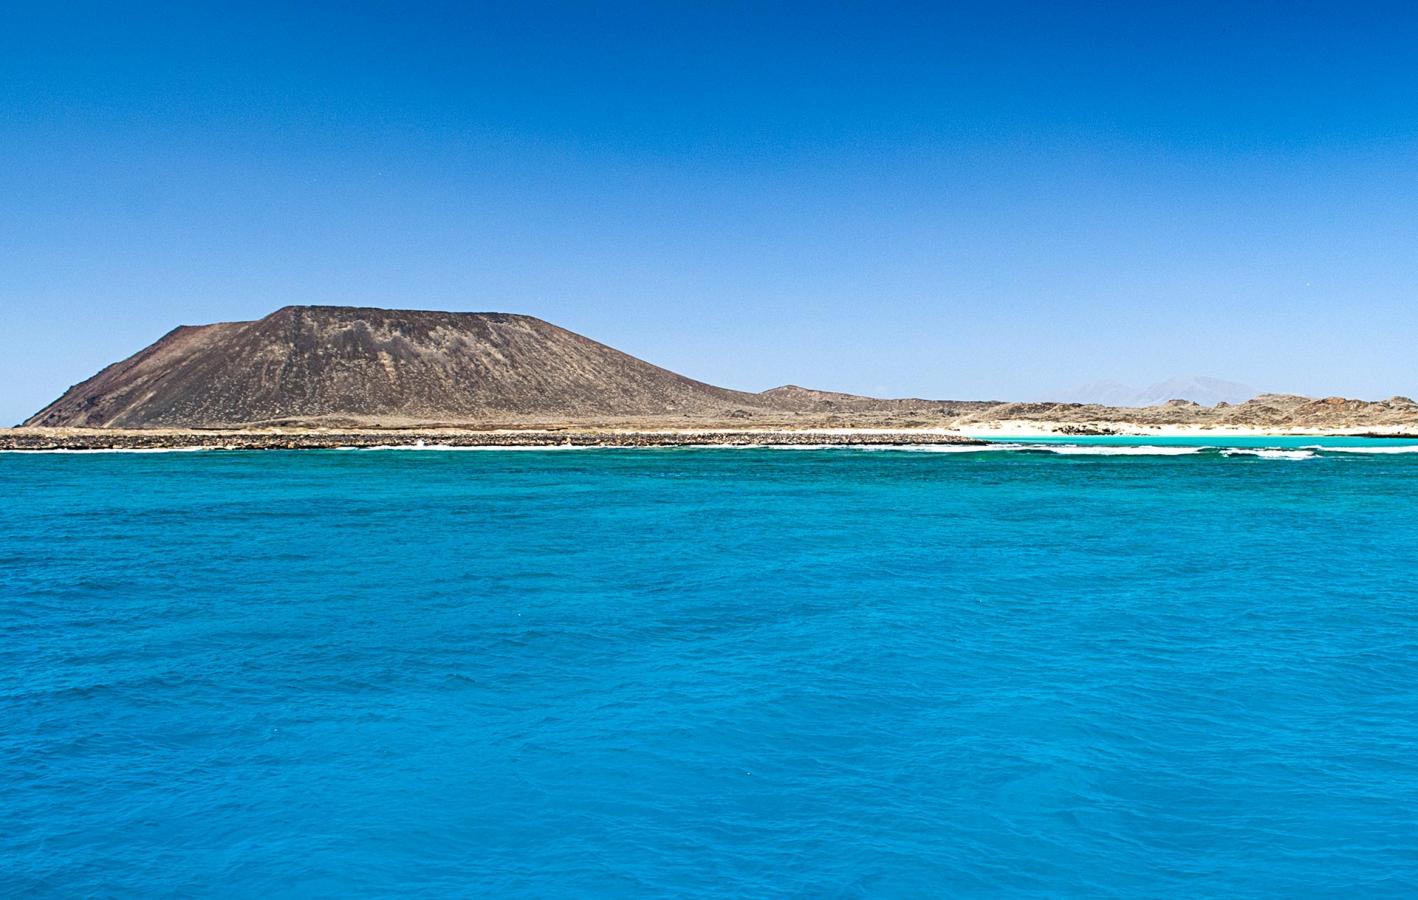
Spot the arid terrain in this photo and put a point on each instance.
(350, 376)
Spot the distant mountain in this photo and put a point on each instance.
(1197, 388)
(1104, 393)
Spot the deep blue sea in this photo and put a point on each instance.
(1074, 671)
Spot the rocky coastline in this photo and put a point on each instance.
(328, 376)
(42, 439)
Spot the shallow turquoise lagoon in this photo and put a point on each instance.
(711, 673)
(1352, 443)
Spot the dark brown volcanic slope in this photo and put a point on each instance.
(342, 365)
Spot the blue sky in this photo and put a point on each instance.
(983, 200)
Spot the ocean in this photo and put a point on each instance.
(1084, 668)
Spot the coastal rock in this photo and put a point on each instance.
(48, 439)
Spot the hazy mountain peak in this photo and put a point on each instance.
(1197, 388)
(1200, 389)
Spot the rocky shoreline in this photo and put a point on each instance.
(35, 439)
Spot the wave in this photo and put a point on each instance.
(1267, 453)
(113, 450)
(461, 447)
(1309, 451)
(1291, 453)
(1407, 448)
(995, 447)
(957, 448)
(1099, 450)
(931, 448)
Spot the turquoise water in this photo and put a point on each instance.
(1220, 441)
(709, 673)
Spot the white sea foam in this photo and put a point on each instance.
(895, 448)
(447, 447)
(1309, 451)
(1062, 449)
(1269, 453)
(954, 448)
(116, 450)
(1102, 450)
(1408, 448)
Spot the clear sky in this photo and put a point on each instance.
(980, 200)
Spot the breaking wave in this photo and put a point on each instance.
(1099, 450)
(1269, 453)
(1407, 448)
